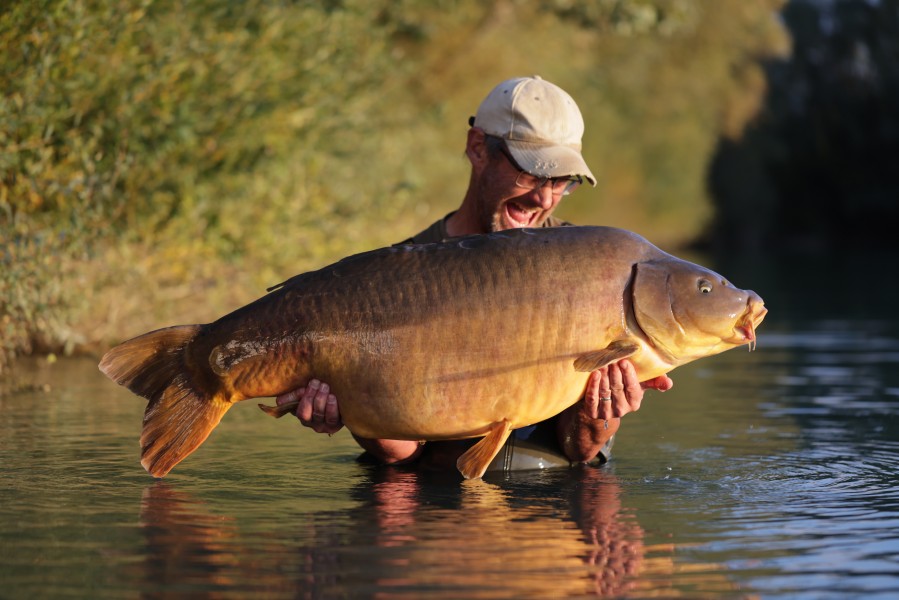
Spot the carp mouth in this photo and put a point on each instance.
(744, 330)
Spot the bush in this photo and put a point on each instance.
(162, 162)
(172, 123)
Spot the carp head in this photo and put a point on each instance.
(688, 311)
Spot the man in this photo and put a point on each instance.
(524, 146)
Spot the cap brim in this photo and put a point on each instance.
(549, 161)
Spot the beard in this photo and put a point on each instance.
(490, 212)
(493, 217)
(493, 201)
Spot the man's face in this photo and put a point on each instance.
(504, 205)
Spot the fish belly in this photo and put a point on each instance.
(455, 376)
(455, 405)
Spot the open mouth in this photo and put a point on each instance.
(519, 216)
(746, 326)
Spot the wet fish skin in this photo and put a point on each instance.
(470, 337)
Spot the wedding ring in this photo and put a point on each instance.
(605, 399)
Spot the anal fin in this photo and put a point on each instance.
(474, 462)
(597, 359)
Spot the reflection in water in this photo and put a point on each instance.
(771, 473)
(485, 542)
(411, 534)
(187, 548)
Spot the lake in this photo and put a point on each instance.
(771, 474)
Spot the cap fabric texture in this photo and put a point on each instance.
(541, 124)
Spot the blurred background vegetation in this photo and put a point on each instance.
(164, 161)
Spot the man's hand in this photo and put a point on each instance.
(611, 393)
(317, 407)
(318, 410)
(615, 391)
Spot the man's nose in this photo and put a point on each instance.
(544, 196)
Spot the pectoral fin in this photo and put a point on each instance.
(597, 359)
(474, 462)
(280, 410)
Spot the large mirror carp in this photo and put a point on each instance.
(471, 337)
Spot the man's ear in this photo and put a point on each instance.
(476, 147)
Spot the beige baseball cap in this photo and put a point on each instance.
(541, 124)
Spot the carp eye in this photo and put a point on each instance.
(705, 286)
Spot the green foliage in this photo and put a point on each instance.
(627, 17)
(184, 155)
(159, 122)
(135, 114)
(32, 299)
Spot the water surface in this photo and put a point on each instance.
(771, 474)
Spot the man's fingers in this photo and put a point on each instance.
(615, 390)
(604, 396)
(291, 396)
(662, 383)
(620, 406)
(593, 394)
(306, 407)
(332, 412)
(320, 403)
(632, 387)
(317, 407)
(604, 410)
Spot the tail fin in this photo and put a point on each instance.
(179, 416)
